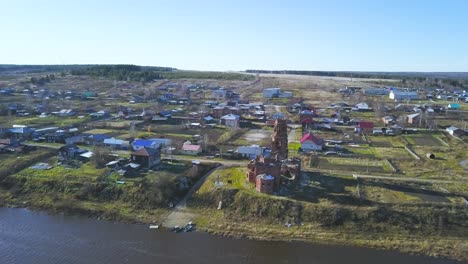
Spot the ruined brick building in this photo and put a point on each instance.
(269, 173)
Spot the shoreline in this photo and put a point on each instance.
(228, 232)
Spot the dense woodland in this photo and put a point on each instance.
(123, 72)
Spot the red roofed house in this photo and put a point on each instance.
(146, 157)
(310, 142)
(189, 149)
(365, 127)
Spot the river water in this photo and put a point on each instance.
(35, 237)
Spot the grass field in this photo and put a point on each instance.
(350, 164)
(392, 153)
(423, 140)
(99, 131)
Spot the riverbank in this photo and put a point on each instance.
(217, 222)
(110, 211)
(74, 239)
(439, 246)
(427, 230)
(332, 216)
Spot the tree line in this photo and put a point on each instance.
(123, 72)
(435, 79)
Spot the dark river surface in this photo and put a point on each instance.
(35, 237)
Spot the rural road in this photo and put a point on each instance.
(205, 160)
(292, 135)
(356, 176)
(180, 216)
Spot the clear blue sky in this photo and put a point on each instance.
(374, 35)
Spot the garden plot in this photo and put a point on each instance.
(386, 141)
(423, 140)
(350, 164)
(392, 153)
(365, 152)
(256, 136)
(99, 131)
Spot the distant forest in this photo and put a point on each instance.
(123, 72)
(126, 72)
(149, 73)
(377, 75)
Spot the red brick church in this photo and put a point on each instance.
(269, 173)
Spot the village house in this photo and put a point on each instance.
(146, 157)
(100, 114)
(78, 139)
(306, 120)
(95, 139)
(211, 103)
(6, 145)
(276, 93)
(70, 151)
(150, 143)
(309, 142)
(115, 143)
(64, 112)
(403, 95)
(453, 106)
(21, 132)
(190, 149)
(230, 120)
(388, 120)
(222, 110)
(209, 120)
(219, 93)
(455, 131)
(376, 91)
(413, 119)
(250, 151)
(363, 107)
(364, 127)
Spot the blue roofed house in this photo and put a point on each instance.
(403, 95)
(21, 132)
(154, 143)
(250, 151)
(230, 120)
(271, 92)
(209, 119)
(142, 143)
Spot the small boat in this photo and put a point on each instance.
(154, 226)
(176, 229)
(188, 228)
